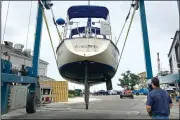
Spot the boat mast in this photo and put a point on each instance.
(89, 19)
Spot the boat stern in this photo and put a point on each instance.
(87, 47)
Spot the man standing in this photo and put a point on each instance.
(158, 102)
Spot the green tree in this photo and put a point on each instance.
(129, 79)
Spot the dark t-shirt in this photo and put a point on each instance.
(160, 101)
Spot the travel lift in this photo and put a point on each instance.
(33, 81)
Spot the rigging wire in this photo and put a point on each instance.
(113, 35)
(135, 8)
(29, 24)
(127, 17)
(6, 20)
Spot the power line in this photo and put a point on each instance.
(6, 20)
(29, 24)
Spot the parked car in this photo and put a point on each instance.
(112, 92)
(142, 91)
(79, 92)
(101, 92)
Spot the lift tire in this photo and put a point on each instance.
(121, 96)
(31, 103)
(132, 97)
(87, 106)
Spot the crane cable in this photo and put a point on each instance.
(44, 16)
(29, 24)
(127, 17)
(6, 20)
(135, 8)
(60, 37)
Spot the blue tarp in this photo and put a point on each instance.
(86, 11)
(171, 78)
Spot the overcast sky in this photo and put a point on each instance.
(162, 21)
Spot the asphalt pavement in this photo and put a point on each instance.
(101, 107)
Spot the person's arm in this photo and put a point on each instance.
(149, 103)
(148, 108)
(170, 102)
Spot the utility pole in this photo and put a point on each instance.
(0, 41)
(158, 63)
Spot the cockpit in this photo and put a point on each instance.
(90, 32)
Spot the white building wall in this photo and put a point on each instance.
(174, 62)
(173, 56)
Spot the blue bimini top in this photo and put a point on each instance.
(87, 11)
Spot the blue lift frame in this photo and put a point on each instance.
(147, 54)
(8, 78)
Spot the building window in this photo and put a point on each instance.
(44, 71)
(46, 91)
(177, 52)
(171, 65)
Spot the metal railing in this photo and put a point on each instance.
(89, 32)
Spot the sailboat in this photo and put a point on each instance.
(87, 44)
(87, 54)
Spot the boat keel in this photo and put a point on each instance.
(109, 84)
(86, 97)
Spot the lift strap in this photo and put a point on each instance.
(49, 33)
(135, 8)
(60, 38)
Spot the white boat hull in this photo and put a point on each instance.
(101, 55)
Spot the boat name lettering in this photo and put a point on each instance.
(86, 46)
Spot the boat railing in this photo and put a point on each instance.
(78, 30)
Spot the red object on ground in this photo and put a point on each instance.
(47, 99)
(127, 91)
